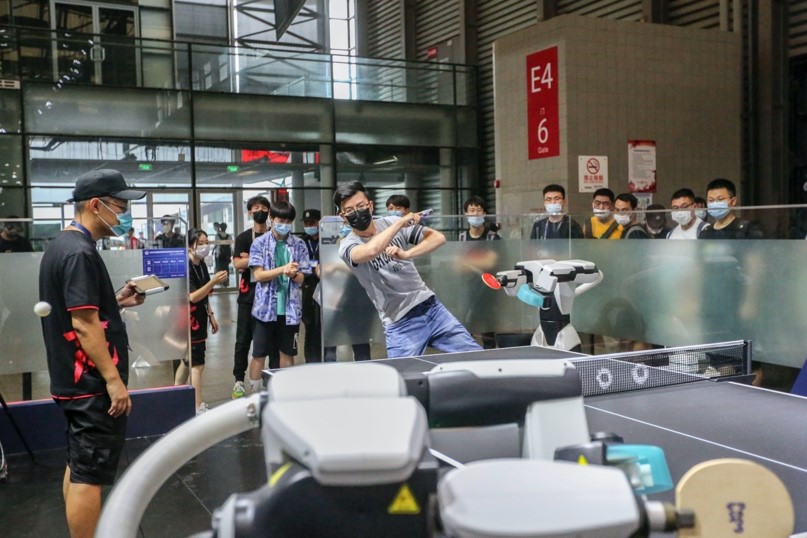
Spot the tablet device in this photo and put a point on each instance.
(148, 284)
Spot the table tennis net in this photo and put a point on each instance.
(637, 370)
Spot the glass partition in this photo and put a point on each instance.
(87, 110)
(655, 292)
(158, 330)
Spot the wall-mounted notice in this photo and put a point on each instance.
(641, 166)
(592, 172)
(543, 123)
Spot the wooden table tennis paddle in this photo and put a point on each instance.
(735, 497)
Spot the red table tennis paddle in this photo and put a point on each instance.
(734, 497)
(491, 281)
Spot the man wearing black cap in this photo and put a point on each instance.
(86, 342)
(168, 238)
(311, 315)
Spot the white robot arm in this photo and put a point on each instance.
(551, 286)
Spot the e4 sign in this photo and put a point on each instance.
(543, 123)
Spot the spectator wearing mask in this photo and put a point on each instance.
(277, 259)
(602, 225)
(169, 238)
(721, 197)
(700, 209)
(312, 318)
(656, 223)
(689, 226)
(398, 205)
(625, 214)
(258, 210)
(555, 225)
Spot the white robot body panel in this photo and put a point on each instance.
(567, 339)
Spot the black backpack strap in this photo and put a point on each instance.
(611, 229)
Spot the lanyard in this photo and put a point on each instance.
(82, 229)
(555, 226)
(313, 248)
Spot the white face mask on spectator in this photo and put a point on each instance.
(682, 217)
(202, 251)
(622, 218)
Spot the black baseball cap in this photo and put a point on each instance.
(98, 183)
(312, 214)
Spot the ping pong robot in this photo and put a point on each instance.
(551, 286)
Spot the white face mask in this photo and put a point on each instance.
(682, 217)
(602, 214)
(554, 209)
(622, 218)
(700, 213)
(166, 228)
(202, 251)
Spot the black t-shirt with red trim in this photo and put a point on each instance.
(73, 276)
(198, 276)
(246, 288)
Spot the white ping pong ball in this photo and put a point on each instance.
(42, 309)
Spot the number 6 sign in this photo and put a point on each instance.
(543, 124)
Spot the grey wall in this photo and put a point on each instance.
(618, 81)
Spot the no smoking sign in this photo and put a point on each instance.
(592, 172)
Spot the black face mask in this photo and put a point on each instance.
(260, 217)
(360, 220)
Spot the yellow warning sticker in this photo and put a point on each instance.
(582, 460)
(404, 503)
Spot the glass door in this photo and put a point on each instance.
(165, 212)
(95, 43)
(216, 210)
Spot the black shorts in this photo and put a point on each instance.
(271, 336)
(197, 353)
(94, 439)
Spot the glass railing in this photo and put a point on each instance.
(654, 292)
(65, 58)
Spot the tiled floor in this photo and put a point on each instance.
(31, 500)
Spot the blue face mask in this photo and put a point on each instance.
(281, 228)
(719, 209)
(124, 221)
(476, 221)
(396, 213)
(345, 230)
(311, 230)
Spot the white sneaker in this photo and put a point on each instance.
(238, 390)
(202, 408)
